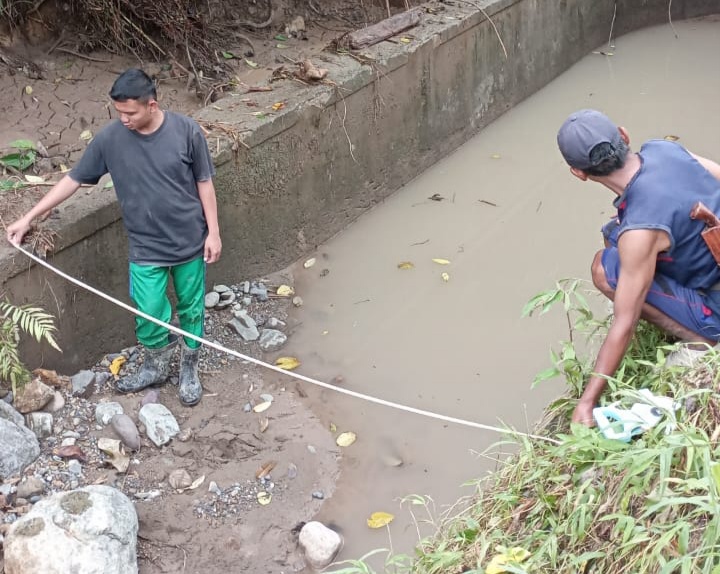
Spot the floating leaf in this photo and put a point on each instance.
(65, 169)
(113, 448)
(86, 135)
(287, 363)
(117, 364)
(405, 40)
(285, 291)
(405, 265)
(495, 156)
(445, 277)
(333, 428)
(264, 498)
(281, 46)
(265, 469)
(34, 179)
(262, 406)
(28, 90)
(278, 106)
(346, 439)
(281, 37)
(671, 138)
(309, 263)
(441, 261)
(251, 63)
(379, 519)
(7, 184)
(228, 55)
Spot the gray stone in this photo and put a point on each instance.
(10, 414)
(226, 299)
(30, 487)
(320, 544)
(83, 384)
(247, 301)
(86, 531)
(8, 398)
(126, 430)
(68, 441)
(272, 340)
(318, 494)
(104, 412)
(41, 424)
(152, 396)
(75, 467)
(221, 289)
(275, 323)
(33, 396)
(245, 286)
(18, 448)
(212, 299)
(245, 326)
(260, 292)
(160, 424)
(55, 404)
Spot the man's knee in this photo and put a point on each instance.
(598, 276)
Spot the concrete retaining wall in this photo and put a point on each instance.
(335, 150)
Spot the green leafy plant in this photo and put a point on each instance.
(15, 320)
(22, 156)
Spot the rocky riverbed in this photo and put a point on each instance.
(224, 485)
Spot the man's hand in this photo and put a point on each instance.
(213, 248)
(583, 414)
(17, 230)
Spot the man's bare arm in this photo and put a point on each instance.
(213, 244)
(708, 164)
(59, 193)
(638, 254)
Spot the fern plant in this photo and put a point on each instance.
(14, 320)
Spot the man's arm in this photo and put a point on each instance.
(708, 164)
(59, 193)
(638, 251)
(213, 244)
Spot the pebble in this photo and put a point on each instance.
(292, 471)
(272, 340)
(8, 398)
(267, 398)
(245, 287)
(34, 499)
(212, 299)
(83, 383)
(104, 412)
(56, 403)
(40, 423)
(246, 301)
(70, 441)
(274, 323)
(75, 467)
(221, 289)
(148, 495)
(247, 408)
(318, 494)
(214, 488)
(259, 291)
(70, 434)
(126, 430)
(30, 487)
(297, 301)
(152, 396)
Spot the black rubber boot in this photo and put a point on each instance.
(190, 390)
(154, 370)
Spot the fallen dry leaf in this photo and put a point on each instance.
(285, 291)
(441, 261)
(264, 498)
(86, 135)
(117, 364)
(264, 424)
(671, 138)
(179, 479)
(265, 405)
(405, 265)
(70, 452)
(34, 179)
(278, 106)
(113, 448)
(49, 377)
(445, 277)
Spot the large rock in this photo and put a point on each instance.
(160, 424)
(321, 545)
(31, 486)
(83, 384)
(92, 530)
(41, 424)
(10, 414)
(33, 396)
(18, 447)
(126, 430)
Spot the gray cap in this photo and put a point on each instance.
(581, 132)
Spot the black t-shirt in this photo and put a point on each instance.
(155, 178)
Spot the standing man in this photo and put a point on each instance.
(655, 264)
(162, 173)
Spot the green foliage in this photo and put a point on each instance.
(23, 156)
(15, 320)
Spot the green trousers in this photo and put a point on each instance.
(148, 290)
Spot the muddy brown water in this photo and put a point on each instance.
(513, 220)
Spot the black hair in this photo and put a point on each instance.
(607, 158)
(133, 84)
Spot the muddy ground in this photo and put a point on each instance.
(58, 109)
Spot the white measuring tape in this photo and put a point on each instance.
(275, 368)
